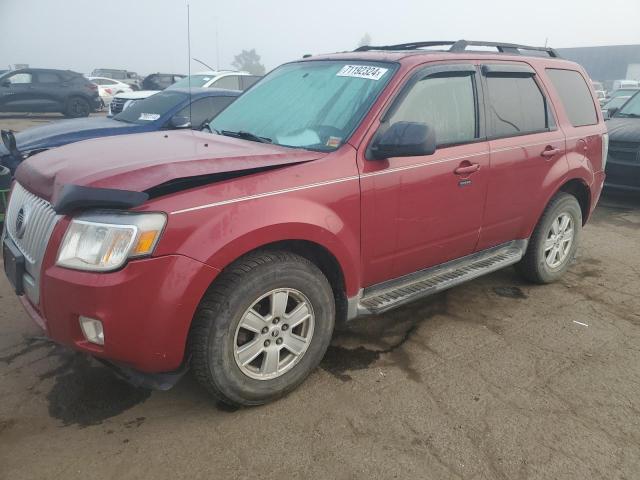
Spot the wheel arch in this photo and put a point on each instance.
(579, 189)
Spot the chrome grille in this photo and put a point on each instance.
(117, 104)
(29, 223)
(625, 151)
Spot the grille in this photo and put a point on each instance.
(117, 104)
(625, 151)
(29, 223)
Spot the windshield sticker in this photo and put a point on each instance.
(362, 71)
(149, 117)
(333, 142)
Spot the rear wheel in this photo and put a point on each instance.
(554, 241)
(77, 107)
(262, 328)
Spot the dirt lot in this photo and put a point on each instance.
(495, 379)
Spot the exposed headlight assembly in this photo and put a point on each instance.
(104, 241)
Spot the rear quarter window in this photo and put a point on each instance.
(574, 95)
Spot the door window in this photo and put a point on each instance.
(48, 77)
(445, 103)
(20, 78)
(230, 82)
(515, 106)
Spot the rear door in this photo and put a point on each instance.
(50, 90)
(527, 148)
(422, 211)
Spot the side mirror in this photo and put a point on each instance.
(404, 139)
(613, 111)
(180, 121)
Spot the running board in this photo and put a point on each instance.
(385, 296)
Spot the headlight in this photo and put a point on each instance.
(104, 241)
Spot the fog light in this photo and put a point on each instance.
(92, 330)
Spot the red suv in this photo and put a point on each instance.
(338, 186)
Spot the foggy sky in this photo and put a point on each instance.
(151, 35)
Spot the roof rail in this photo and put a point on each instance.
(461, 46)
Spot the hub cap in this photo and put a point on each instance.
(274, 334)
(559, 240)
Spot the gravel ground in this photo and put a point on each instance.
(495, 379)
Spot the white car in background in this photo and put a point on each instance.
(225, 79)
(109, 88)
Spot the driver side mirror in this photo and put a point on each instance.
(612, 111)
(180, 121)
(404, 139)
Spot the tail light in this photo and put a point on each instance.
(108, 90)
(92, 86)
(605, 149)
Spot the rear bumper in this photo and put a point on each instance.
(146, 310)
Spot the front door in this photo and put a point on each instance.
(16, 92)
(422, 211)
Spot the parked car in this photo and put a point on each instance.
(48, 90)
(229, 79)
(338, 186)
(222, 79)
(164, 111)
(623, 161)
(601, 95)
(610, 107)
(125, 76)
(107, 88)
(622, 92)
(160, 81)
(618, 84)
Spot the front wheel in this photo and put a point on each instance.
(261, 328)
(554, 241)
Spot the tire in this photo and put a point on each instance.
(77, 107)
(218, 335)
(540, 264)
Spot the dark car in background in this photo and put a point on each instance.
(46, 90)
(171, 109)
(623, 160)
(160, 81)
(130, 78)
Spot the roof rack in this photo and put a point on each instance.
(461, 46)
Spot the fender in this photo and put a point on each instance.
(221, 234)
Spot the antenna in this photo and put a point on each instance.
(189, 58)
(202, 63)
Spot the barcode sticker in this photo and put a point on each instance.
(362, 71)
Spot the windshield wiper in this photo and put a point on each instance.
(245, 136)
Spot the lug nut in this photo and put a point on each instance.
(284, 327)
(267, 343)
(265, 330)
(279, 341)
(276, 320)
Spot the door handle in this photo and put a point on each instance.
(550, 151)
(467, 168)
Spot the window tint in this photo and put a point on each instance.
(575, 96)
(20, 78)
(446, 104)
(48, 77)
(516, 106)
(205, 110)
(229, 82)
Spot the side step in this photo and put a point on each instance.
(385, 296)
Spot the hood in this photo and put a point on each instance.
(139, 162)
(66, 131)
(624, 129)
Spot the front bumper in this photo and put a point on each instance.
(623, 176)
(146, 310)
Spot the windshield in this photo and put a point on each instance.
(616, 102)
(623, 92)
(314, 105)
(150, 109)
(631, 108)
(196, 81)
